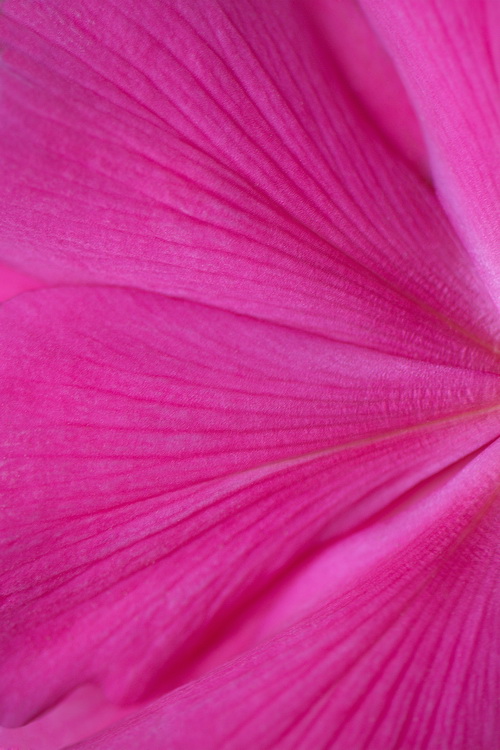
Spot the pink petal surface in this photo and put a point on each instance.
(402, 653)
(165, 462)
(371, 75)
(298, 480)
(13, 282)
(448, 53)
(213, 151)
(81, 714)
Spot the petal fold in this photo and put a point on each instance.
(13, 282)
(447, 52)
(371, 75)
(80, 715)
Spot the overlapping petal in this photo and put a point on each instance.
(400, 654)
(213, 151)
(448, 54)
(164, 462)
(371, 75)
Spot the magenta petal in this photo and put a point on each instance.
(211, 151)
(164, 462)
(13, 282)
(402, 653)
(448, 54)
(371, 75)
(80, 715)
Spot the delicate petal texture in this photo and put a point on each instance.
(402, 653)
(80, 715)
(371, 74)
(447, 52)
(212, 151)
(12, 283)
(258, 471)
(142, 436)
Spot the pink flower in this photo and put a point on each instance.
(250, 428)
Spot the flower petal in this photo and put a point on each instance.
(402, 654)
(211, 151)
(12, 282)
(448, 53)
(154, 453)
(371, 75)
(81, 714)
